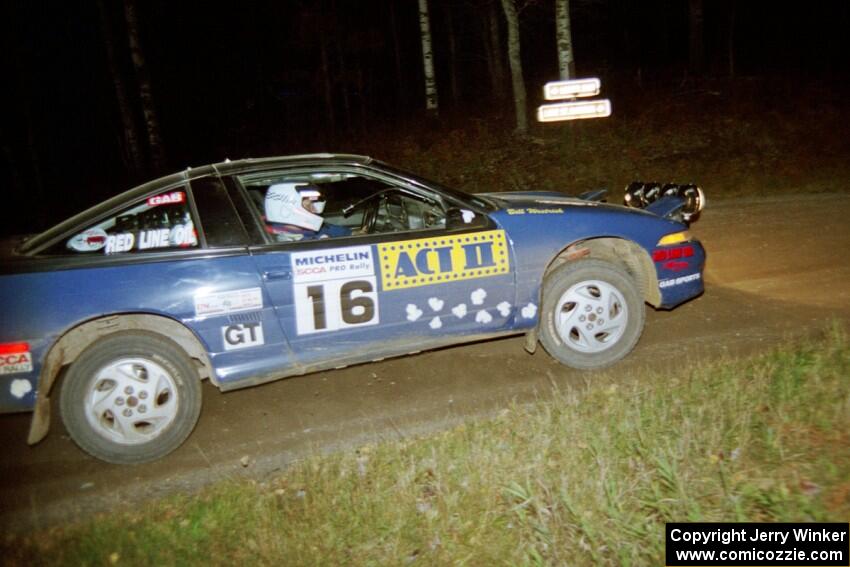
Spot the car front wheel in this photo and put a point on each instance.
(592, 315)
(131, 397)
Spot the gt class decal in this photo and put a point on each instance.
(242, 335)
(334, 289)
(428, 261)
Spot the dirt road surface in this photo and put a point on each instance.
(777, 268)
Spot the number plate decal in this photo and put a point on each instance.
(334, 289)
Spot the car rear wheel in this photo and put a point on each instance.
(592, 314)
(131, 397)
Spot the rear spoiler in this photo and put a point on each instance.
(679, 202)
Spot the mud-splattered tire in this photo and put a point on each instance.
(131, 397)
(592, 314)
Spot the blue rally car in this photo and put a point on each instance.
(249, 271)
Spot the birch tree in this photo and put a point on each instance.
(428, 59)
(564, 36)
(402, 91)
(145, 91)
(515, 61)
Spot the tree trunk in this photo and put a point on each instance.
(133, 157)
(402, 91)
(453, 82)
(516, 66)
(730, 44)
(145, 93)
(493, 46)
(695, 37)
(428, 59)
(564, 36)
(361, 91)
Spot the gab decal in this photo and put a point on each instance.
(428, 261)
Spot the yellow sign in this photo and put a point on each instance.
(427, 261)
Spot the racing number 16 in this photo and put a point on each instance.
(332, 305)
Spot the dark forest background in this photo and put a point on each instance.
(233, 80)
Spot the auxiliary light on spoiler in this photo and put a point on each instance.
(669, 200)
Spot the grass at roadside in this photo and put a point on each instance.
(587, 477)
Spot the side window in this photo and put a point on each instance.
(159, 222)
(312, 205)
(218, 218)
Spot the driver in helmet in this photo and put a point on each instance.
(293, 213)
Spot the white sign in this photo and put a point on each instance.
(559, 90)
(228, 302)
(574, 110)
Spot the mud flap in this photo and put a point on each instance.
(531, 341)
(40, 424)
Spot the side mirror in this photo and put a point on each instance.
(463, 218)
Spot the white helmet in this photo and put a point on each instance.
(284, 205)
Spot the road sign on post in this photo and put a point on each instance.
(573, 110)
(560, 90)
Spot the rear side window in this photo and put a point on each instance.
(221, 225)
(161, 221)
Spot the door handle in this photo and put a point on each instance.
(271, 275)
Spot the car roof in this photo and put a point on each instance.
(188, 174)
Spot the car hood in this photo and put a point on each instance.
(542, 199)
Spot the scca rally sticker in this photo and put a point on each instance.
(334, 289)
(428, 261)
(242, 335)
(16, 362)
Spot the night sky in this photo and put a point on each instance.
(244, 79)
